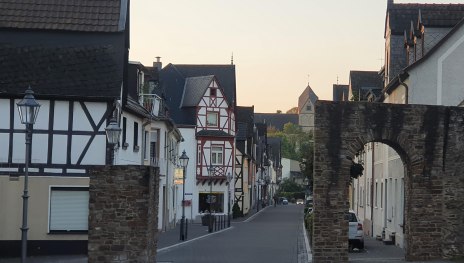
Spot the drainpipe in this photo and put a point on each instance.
(372, 189)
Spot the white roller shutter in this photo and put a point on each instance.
(69, 209)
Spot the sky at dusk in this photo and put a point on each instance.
(278, 46)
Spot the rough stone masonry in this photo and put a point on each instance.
(430, 142)
(123, 214)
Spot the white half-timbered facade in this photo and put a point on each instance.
(202, 103)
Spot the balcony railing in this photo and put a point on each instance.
(152, 103)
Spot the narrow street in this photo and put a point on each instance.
(273, 235)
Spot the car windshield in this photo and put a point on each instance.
(352, 217)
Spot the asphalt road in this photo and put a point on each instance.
(273, 235)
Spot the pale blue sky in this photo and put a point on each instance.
(276, 44)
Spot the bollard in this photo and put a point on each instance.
(186, 228)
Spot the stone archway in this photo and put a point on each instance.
(430, 141)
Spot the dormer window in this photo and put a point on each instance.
(212, 119)
(212, 92)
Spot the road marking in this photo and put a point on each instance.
(191, 240)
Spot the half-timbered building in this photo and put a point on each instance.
(76, 61)
(201, 100)
(245, 160)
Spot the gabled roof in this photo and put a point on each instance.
(276, 120)
(404, 74)
(90, 71)
(364, 81)
(307, 95)
(225, 75)
(194, 90)
(433, 15)
(69, 15)
(436, 46)
(340, 92)
(173, 79)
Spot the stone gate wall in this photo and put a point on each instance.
(123, 214)
(430, 142)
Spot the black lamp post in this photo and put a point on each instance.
(211, 174)
(229, 178)
(28, 109)
(113, 131)
(184, 162)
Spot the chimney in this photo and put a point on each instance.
(158, 63)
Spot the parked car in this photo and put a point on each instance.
(299, 201)
(355, 232)
(285, 202)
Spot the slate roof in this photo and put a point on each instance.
(275, 149)
(70, 15)
(276, 120)
(340, 92)
(433, 15)
(245, 120)
(90, 71)
(172, 80)
(308, 94)
(194, 89)
(364, 81)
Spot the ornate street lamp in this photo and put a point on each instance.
(184, 159)
(28, 109)
(229, 178)
(211, 174)
(113, 132)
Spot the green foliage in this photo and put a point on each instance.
(288, 185)
(297, 145)
(308, 220)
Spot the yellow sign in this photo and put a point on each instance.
(178, 174)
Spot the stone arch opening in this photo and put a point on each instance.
(377, 196)
(429, 141)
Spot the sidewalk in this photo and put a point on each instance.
(166, 239)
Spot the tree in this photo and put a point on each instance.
(297, 145)
(288, 185)
(293, 110)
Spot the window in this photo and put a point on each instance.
(376, 201)
(308, 107)
(212, 92)
(69, 209)
(212, 119)
(153, 147)
(136, 136)
(381, 195)
(199, 154)
(124, 128)
(217, 202)
(146, 146)
(216, 155)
